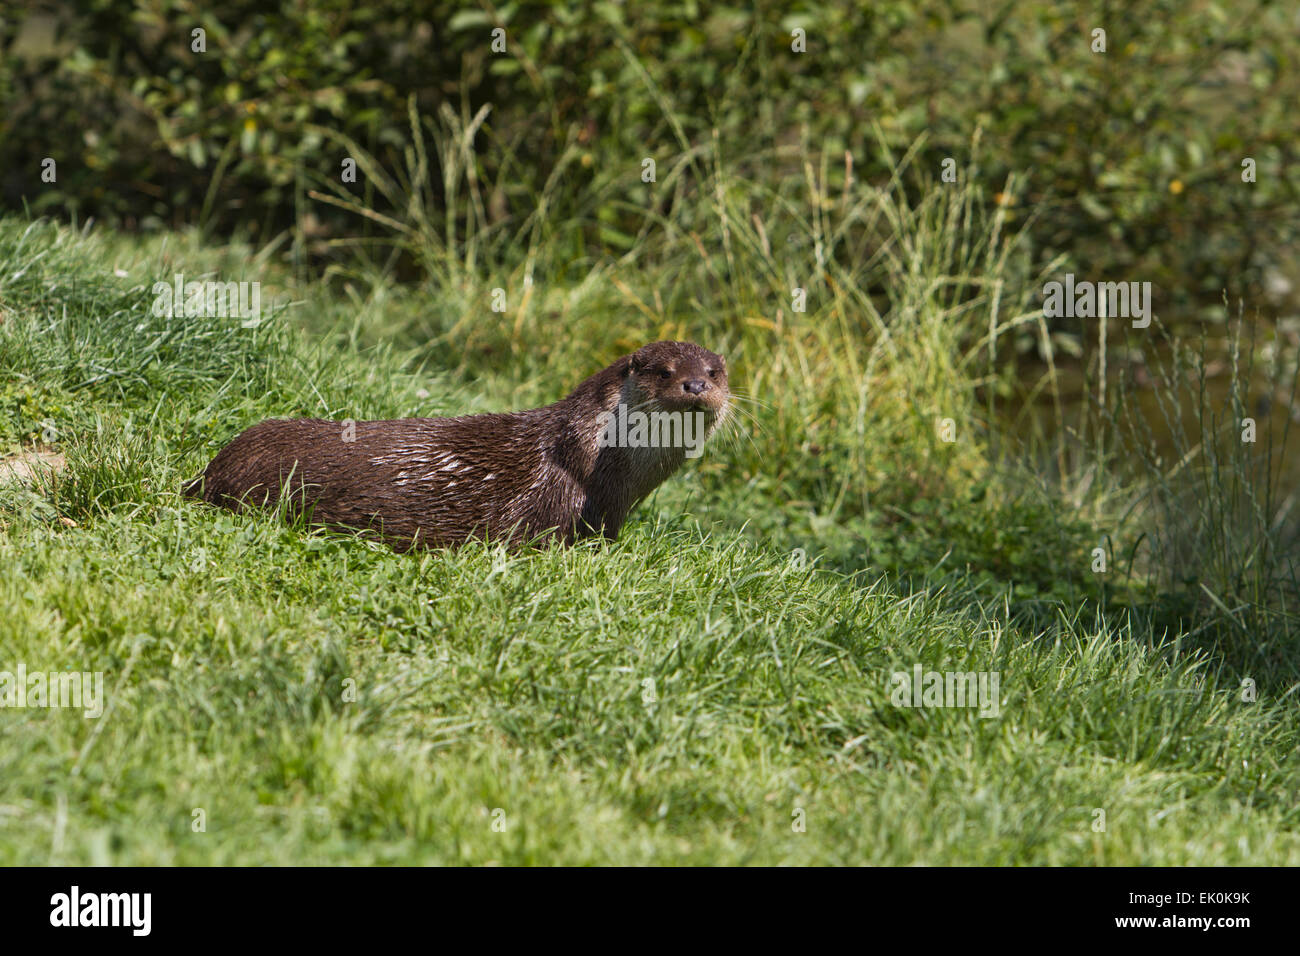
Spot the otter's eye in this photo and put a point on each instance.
(713, 373)
(664, 373)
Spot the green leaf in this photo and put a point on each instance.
(465, 19)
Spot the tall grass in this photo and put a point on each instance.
(1215, 532)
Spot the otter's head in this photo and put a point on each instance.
(680, 377)
(673, 397)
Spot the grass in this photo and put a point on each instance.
(697, 692)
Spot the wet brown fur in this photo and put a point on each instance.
(442, 481)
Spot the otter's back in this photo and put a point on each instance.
(427, 480)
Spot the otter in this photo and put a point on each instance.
(568, 471)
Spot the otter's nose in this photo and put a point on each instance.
(695, 386)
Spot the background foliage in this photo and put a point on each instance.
(1131, 159)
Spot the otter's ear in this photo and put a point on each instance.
(630, 368)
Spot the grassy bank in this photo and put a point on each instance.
(698, 692)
